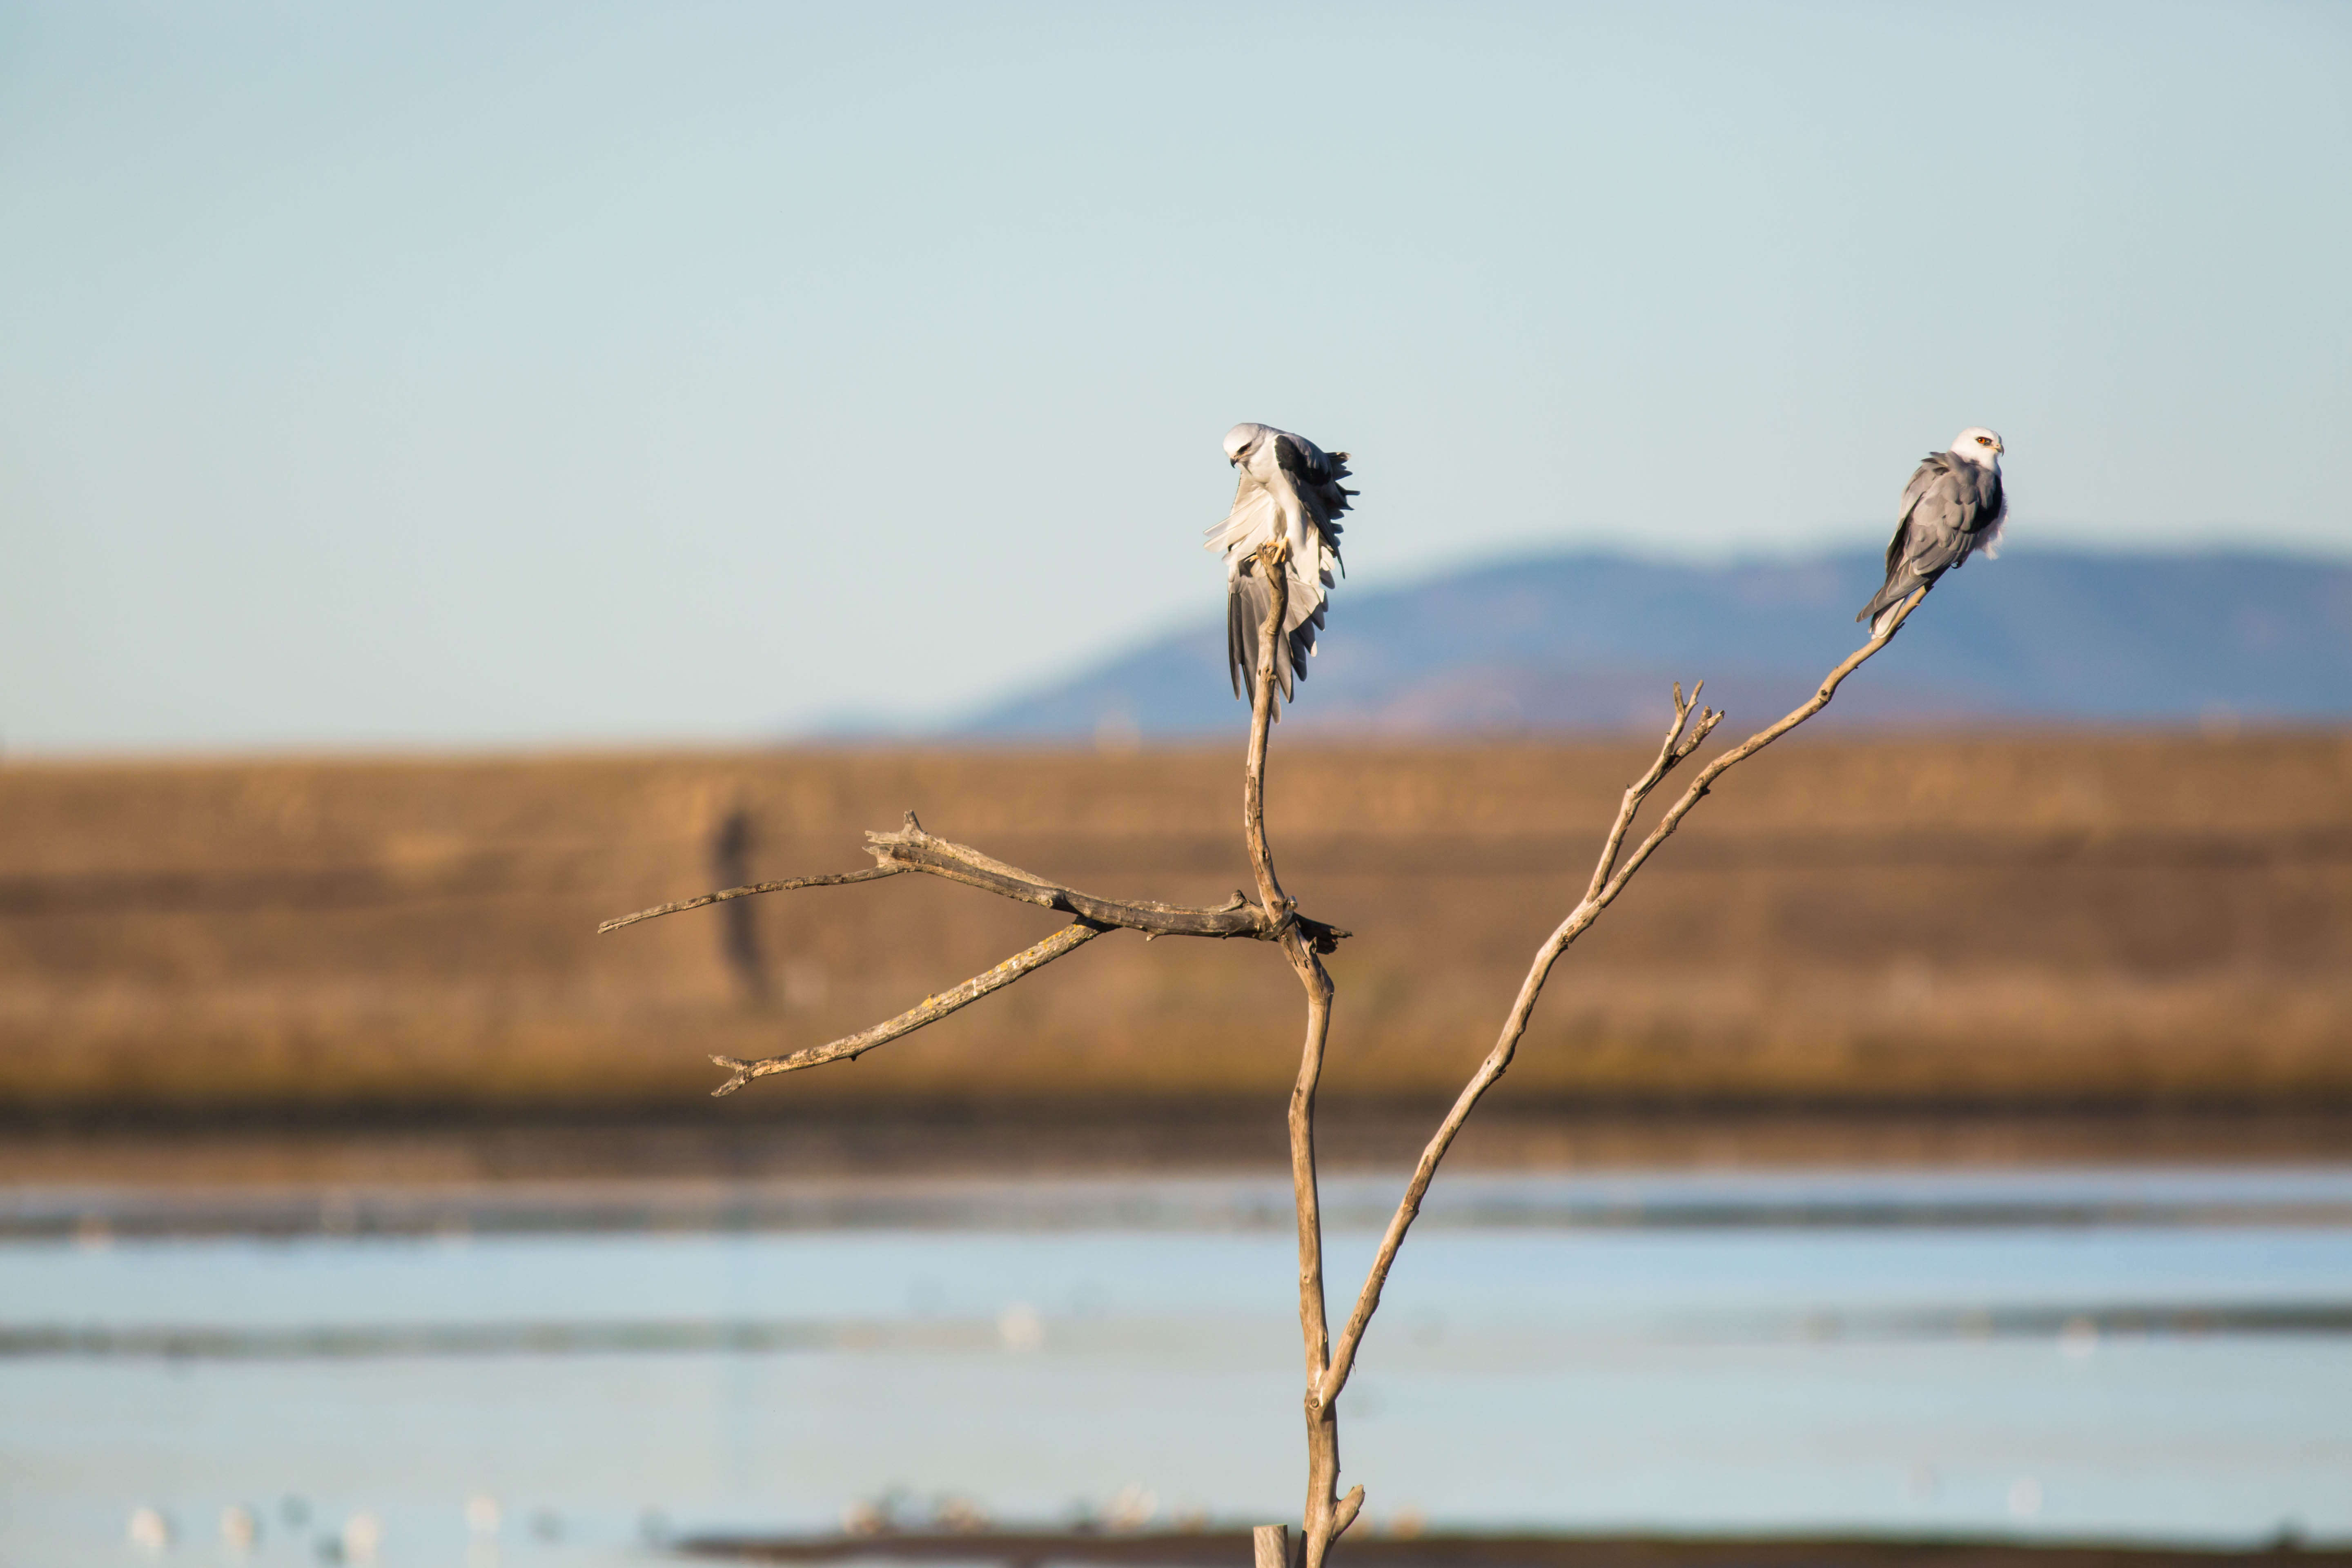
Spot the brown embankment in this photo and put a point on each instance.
(2030, 921)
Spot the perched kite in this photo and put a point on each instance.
(1952, 508)
(1289, 487)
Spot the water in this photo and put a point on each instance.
(2158, 1355)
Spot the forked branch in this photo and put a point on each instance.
(1271, 918)
(1609, 879)
(1274, 917)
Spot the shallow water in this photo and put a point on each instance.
(2152, 1354)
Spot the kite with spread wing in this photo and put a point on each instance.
(1289, 487)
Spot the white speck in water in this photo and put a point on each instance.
(1020, 1327)
(2024, 1497)
(149, 1531)
(1133, 1508)
(362, 1537)
(482, 1514)
(239, 1529)
(2078, 1339)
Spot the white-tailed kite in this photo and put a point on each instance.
(1290, 486)
(1952, 508)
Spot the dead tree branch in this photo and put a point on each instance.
(930, 1010)
(1326, 1514)
(1272, 918)
(706, 900)
(912, 849)
(1683, 737)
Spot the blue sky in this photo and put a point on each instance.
(511, 375)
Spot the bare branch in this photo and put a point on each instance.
(1274, 918)
(930, 1011)
(1755, 743)
(1345, 1514)
(1273, 561)
(1326, 1515)
(872, 873)
(1672, 750)
(1605, 887)
(912, 849)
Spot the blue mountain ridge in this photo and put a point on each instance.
(1592, 641)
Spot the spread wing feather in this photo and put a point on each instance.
(1315, 476)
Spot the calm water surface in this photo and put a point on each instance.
(2152, 1354)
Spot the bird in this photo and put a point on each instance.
(1953, 507)
(1289, 489)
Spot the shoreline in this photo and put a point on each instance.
(1117, 1138)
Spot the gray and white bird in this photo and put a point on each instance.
(1952, 508)
(1290, 486)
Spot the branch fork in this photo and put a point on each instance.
(1272, 918)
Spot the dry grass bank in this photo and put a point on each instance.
(2030, 920)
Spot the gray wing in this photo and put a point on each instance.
(1949, 508)
(1318, 476)
(1317, 473)
(1246, 607)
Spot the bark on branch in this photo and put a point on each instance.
(912, 849)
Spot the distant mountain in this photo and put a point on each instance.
(1590, 641)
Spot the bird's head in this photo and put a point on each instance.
(1979, 445)
(1242, 440)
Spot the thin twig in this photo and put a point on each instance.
(1606, 884)
(930, 1010)
(838, 878)
(1675, 747)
